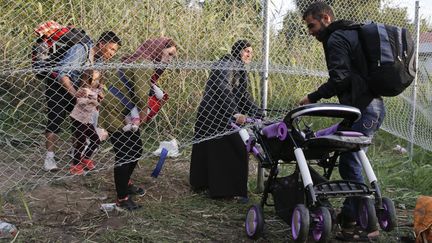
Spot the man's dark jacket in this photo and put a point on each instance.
(346, 65)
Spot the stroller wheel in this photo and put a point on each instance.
(387, 215)
(300, 223)
(321, 225)
(367, 215)
(254, 223)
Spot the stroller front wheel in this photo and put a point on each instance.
(387, 215)
(300, 223)
(367, 214)
(321, 225)
(254, 223)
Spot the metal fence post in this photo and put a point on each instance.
(264, 77)
(413, 116)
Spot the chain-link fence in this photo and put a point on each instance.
(202, 32)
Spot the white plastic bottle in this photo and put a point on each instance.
(7, 230)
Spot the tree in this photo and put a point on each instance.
(359, 11)
(346, 9)
(236, 7)
(303, 4)
(292, 26)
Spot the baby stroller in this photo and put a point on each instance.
(302, 198)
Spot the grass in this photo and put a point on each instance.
(201, 35)
(171, 212)
(57, 211)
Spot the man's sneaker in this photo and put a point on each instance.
(50, 164)
(135, 190)
(77, 169)
(88, 164)
(127, 203)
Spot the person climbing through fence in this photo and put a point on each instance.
(127, 105)
(58, 56)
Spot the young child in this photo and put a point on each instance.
(132, 120)
(84, 120)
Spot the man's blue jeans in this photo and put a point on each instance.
(350, 167)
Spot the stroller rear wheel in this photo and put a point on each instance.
(367, 214)
(387, 215)
(321, 225)
(300, 223)
(254, 223)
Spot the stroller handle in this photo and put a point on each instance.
(276, 130)
(324, 110)
(248, 141)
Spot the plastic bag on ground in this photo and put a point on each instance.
(171, 146)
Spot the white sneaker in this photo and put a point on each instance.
(134, 127)
(127, 127)
(50, 164)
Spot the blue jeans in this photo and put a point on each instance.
(350, 167)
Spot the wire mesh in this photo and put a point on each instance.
(203, 31)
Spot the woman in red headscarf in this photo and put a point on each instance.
(128, 104)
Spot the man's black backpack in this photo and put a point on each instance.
(48, 51)
(389, 52)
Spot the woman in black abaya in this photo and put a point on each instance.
(219, 164)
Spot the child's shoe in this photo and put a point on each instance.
(77, 169)
(88, 164)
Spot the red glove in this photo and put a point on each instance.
(154, 104)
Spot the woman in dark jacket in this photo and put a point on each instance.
(220, 165)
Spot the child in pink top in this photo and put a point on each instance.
(84, 120)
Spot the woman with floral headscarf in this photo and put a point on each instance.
(220, 165)
(129, 104)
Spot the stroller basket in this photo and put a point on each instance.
(342, 188)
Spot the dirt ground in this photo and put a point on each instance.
(68, 210)
(76, 201)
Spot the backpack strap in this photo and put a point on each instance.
(125, 81)
(120, 96)
(64, 39)
(89, 59)
(399, 31)
(155, 93)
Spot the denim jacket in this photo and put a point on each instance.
(76, 57)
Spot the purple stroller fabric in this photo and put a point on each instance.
(327, 131)
(333, 130)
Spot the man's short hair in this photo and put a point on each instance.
(109, 37)
(317, 9)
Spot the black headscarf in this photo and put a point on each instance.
(238, 47)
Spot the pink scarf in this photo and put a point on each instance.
(150, 50)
